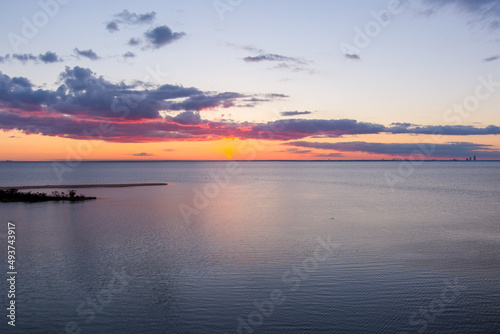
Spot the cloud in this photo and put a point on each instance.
(142, 154)
(252, 101)
(448, 130)
(24, 57)
(49, 57)
(448, 150)
(295, 113)
(492, 58)
(168, 150)
(293, 64)
(272, 57)
(295, 151)
(134, 41)
(161, 36)
(18, 93)
(129, 18)
(129, 55)
(185, 126)
(405, 125)
(112, 26)
(484, 12)
(249, 48)
(84, 94)
(85, 103)
(86, 53)
(293, 68)
(301, 128)
(206, 101)
(188, 118)
(352, 56)
(133, 18)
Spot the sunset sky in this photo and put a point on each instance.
(249, 79)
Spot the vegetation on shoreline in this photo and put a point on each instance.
(13, 195)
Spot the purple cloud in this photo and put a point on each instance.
(161, 36)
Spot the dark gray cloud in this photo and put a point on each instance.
(129, 55)
(140, 113)
(352, 56)
(49, 57)
(492, 58)
(187, 126)
(206, 101)
(448, 130)
(82, 93)
(276, 96)
(24, 57)
(405, 125)
(295, 113)
(18, 92)
(301, 128)
(90, 94)
(129, 18)
(134, 41)
(112, 26)
(188, 118)
(448, 150)
(86, 53)
(133, 18)
(252, 101)
(161, 36)
(272, 57)
(293, 64)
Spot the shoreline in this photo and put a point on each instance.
(81, 186)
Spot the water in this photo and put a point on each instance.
(271, 247)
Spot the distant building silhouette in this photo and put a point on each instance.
(466, 159)
(474, 158)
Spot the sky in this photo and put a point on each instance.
(249, 80)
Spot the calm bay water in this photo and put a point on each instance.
(258, 247)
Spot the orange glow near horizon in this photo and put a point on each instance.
(21, 147)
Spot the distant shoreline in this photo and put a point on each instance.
(77, 186)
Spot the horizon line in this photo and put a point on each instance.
(257, 160)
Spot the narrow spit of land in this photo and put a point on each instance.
(12, 194)
(77, 186)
